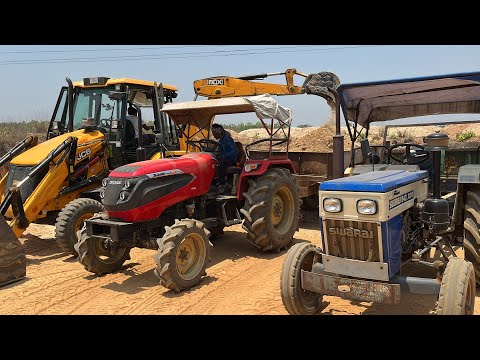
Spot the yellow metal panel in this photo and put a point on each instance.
(228, 86)
(36, 154)
(46, 191)
(2, 186)
(125, 81)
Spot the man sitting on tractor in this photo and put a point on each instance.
(228, 155)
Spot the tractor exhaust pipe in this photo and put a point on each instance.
(435, 214)
(436, 143)
(13, 263)
(436, 160)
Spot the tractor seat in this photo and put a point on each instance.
(241, 157)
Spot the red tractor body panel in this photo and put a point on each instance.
(158, 184)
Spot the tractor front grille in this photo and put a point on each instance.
(353, 239)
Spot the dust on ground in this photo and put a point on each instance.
(240, 280)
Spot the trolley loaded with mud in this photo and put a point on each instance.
(173, 205)
(385, 216)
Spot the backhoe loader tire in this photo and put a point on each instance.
(296, 300)
(471, 242)
(95, 258)
(70, 220)
(457, 291)
(183, 254)
(271, 210)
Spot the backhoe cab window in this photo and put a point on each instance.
(95, 103)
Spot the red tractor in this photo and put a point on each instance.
(174, 206)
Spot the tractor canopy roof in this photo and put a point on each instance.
(364, 103)
(200, 113)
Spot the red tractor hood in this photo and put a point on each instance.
(143, 190)
(193, 163)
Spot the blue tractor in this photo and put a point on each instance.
(384, 216)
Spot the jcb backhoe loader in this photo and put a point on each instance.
(88, 136)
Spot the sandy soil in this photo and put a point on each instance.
(320, 139)
(240, 280)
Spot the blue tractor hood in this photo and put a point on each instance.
(374, 181)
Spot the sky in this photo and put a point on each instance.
(33, 75)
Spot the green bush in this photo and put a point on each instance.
(465, 136)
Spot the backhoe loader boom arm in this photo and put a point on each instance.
(223, 86)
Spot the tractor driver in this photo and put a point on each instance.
(228, 155)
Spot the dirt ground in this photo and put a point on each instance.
(240, 280)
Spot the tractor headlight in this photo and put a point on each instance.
(102, 194)
(105, 182)
(367, 207)
(130, 183)
(332, 205)
(251, 167)
(124, 195)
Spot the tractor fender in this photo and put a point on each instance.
(260, 167)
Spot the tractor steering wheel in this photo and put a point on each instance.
(409, 159)
(207, 145)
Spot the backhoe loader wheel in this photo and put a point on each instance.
(70, 220)
(271, 210)
(97, 259)
(296, 300)
(457, 291)
(183, 254)
(471, 242)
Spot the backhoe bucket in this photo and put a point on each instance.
(13, 262)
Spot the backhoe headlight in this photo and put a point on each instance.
(105, 182)
(367, 207)
(124, 195)
(332, 205)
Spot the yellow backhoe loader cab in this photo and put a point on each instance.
(99, 124)
(88, 136)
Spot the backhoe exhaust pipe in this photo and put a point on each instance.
(13, 263)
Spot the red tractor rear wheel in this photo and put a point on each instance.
(271, 210)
